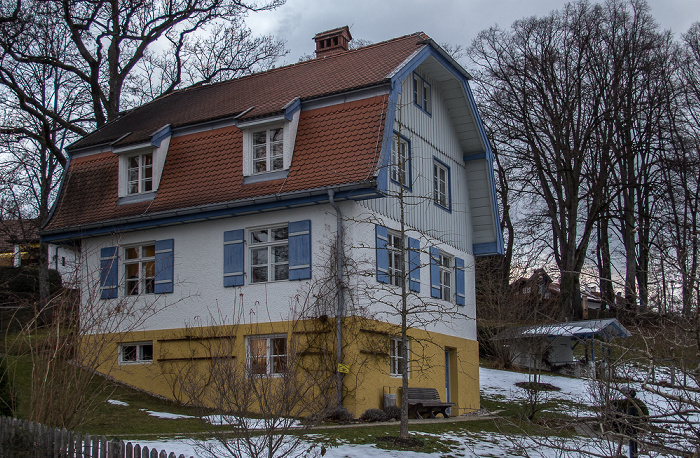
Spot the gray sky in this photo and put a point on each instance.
(446, 21)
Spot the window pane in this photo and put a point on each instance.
(280, 233)
(260, 138)
(277, 163)
(134, 162)
(280, 254)
(258, 236)
(279, 346)
(149, 286)
(259, 274)
(276, 135)
(282, 272)
(259, 152)
(132, 253)
(277, 150)
(147, 160)
(150, 268)
(147, 352)
(259, 256)
(132, 271)
(149, 251)
(129, 353)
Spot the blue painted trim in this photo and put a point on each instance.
(165, 273)
(234, 258)
(381, 235)
(408, 185)
(292, 108)
(474, 157)
(385, 154)
(299, 249)
(356, 194)
(414, 265)
(449, 186)
(460, 282)
(434, 272)
(486, 249)
(109, 273)
(161, 135)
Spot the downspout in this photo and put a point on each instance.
(339, 286)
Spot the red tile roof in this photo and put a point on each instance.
(268, 92)
(336, 145)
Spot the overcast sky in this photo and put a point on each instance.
(446, 21)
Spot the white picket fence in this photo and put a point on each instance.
(20, 438)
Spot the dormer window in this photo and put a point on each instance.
(140, 173)
(268, 150)
(422, 96)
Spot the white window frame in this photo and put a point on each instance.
(269, 247)
(144, 281)
(143, 182)
(446, 264)
(140, 352)
(270, 357)
(400, 161)
(441, 185)
(422, 93)
(396, 247)
(269, 146)
(395, 357)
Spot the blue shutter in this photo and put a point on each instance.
(165, 272)
(414, 265)
(109, 273)
(234, 258)
(382, 238)
(434, 272)
(300, 250)
(459, 281)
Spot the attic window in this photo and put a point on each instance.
(139, 173)
(268, 150)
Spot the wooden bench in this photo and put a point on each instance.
(423, 401)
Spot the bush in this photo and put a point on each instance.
(393, 412)
(338, 414)
(374, 415)
(7, 395)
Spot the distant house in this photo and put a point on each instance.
(239, 194)
(19, 243)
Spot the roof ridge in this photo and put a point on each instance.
(285, 67)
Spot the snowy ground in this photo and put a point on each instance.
(574, 398)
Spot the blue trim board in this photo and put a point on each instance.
(486, 249)
(385, 153)
(292, 108)
(161, 135)
(356, 194)
(474, 157)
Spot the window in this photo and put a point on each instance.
(140, 269)
(396, 358)
(266, 355)
(446, 265)
(396, 259)
(133, 353)
(139, 173)
(269, 254)
(441, 184)
(421, 93)
(268, 150)
(400, 161)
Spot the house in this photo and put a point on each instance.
(19, 242)
(240, 200)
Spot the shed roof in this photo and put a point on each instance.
(607, 328)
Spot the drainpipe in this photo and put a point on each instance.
(339, 286)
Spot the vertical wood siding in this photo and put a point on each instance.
(431, 136)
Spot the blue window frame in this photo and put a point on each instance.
(400, 172)
(422, 94)
(442, 195)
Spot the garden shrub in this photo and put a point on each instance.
(374, 415)
(393, 412)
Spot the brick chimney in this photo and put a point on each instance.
(332, 41)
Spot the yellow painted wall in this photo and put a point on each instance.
(186, 354)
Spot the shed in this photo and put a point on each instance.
(551, 346)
